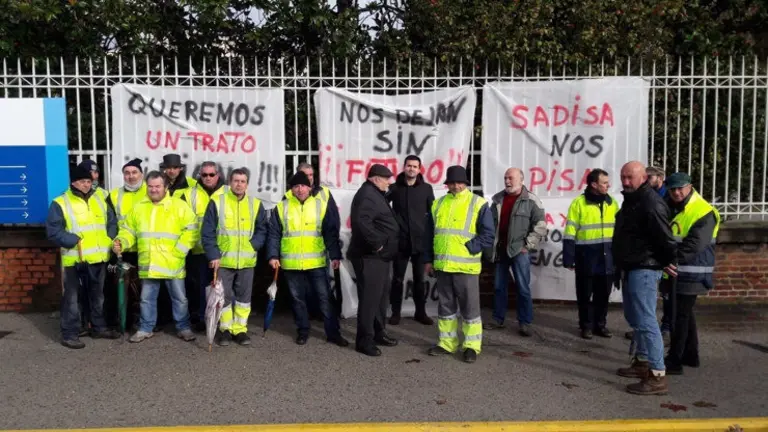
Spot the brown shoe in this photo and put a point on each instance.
(637, 369)
(650, 385)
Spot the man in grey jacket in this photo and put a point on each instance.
(520, 225)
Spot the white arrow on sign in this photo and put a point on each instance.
(23, 176)
(25, 215)
(23, 189)
(24, 202)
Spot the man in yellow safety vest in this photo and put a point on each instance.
(165, 229)
(82, 224)
(234, 229)
(695, 224)
(458, 228)
(301, 233)
(587, 250)
(199, 274)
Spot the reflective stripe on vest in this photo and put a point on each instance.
(199, 206)
(451, 254)
(701, 267)
(94, 240)
(302, 246)
(590, 223)
(234, 233)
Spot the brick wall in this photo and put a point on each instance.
(30, 275)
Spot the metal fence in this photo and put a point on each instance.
(707, 116)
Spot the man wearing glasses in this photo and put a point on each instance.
(199, 274)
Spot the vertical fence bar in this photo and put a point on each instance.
(716, 128)
(741, 134)
(692, 93)
(703, 128)
(764, 205)
(754, 137)
(666, 112)
(728, 136)
(678, 113)
(77, 110)
(106, 178)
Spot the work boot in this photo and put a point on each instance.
(301, 339)
(105, 334)
(493, 325)
(187, 335)
(371, 351)
(225, 338)
(385, 340)
(394, 319)
(339, 341)
(422, 318)
(140, 336)
(650, 385)
(437, 350)
(586, 334)
(636, 369)
(629, 335)
(73, 343)
(242, 339)
(603, 332)
(470, 356)
(525, 330)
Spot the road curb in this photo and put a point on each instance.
(747, 424)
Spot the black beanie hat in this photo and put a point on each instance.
(300, 179)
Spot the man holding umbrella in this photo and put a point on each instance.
(175, 170)
(301, 233)
(234, 229)
(165, 229)
(458, 228)
(82, 224)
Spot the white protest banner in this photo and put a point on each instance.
(549, 280)
(357, 130)
(343, 198)
(557, 131)
(233, 127)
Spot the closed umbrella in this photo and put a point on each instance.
(272, 292)
(122, 306)
(85, 305)
(213, 307)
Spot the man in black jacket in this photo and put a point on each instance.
(643, 245)
(695, 225)
(411, 200)
(373, 246)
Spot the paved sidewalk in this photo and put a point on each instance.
(554, 375)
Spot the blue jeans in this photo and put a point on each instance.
(639, 297)
(88, 282)
(149, 291)
(521, 271)
(303, 282)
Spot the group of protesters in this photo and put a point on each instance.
(182, 233)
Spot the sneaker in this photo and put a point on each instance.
(636, 369)
(525, 330)
(225, 338)
(586, 334)
(242, 339)
(470, 356)
(187, 335)
(139, 336)
(73, 343)
(106, 334)
(437, 350)
(650, 385)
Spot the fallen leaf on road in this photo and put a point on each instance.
(415, 360)
(735, 428)
(568, 385)
(704, 404)
(441, 401)
(674, 407)
(522, 354)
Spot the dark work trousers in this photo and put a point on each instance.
(372, 298)
(666, 317)
(684, 344)
(93, 280)
(592, 293)
(399, 267)
(132, 290)
(199, 276)
(111, 313)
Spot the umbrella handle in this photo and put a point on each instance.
(215, 276)
(80, 250)
(274, 279)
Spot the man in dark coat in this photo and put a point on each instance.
(411, 199)
(643, 246)
(374, 244)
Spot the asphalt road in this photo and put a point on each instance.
(552, 376)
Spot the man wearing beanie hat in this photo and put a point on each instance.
(93, 169)
(459, 227)
(123, 199)
(373, 246)
(83, 225)
(302, 232)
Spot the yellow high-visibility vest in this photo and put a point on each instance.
(123, 202)
(302, 246)
(87, 220)
(237, 219)
(702, 266)
(455, 218)
(198, 200)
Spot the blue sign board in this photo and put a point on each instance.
(34, 166)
